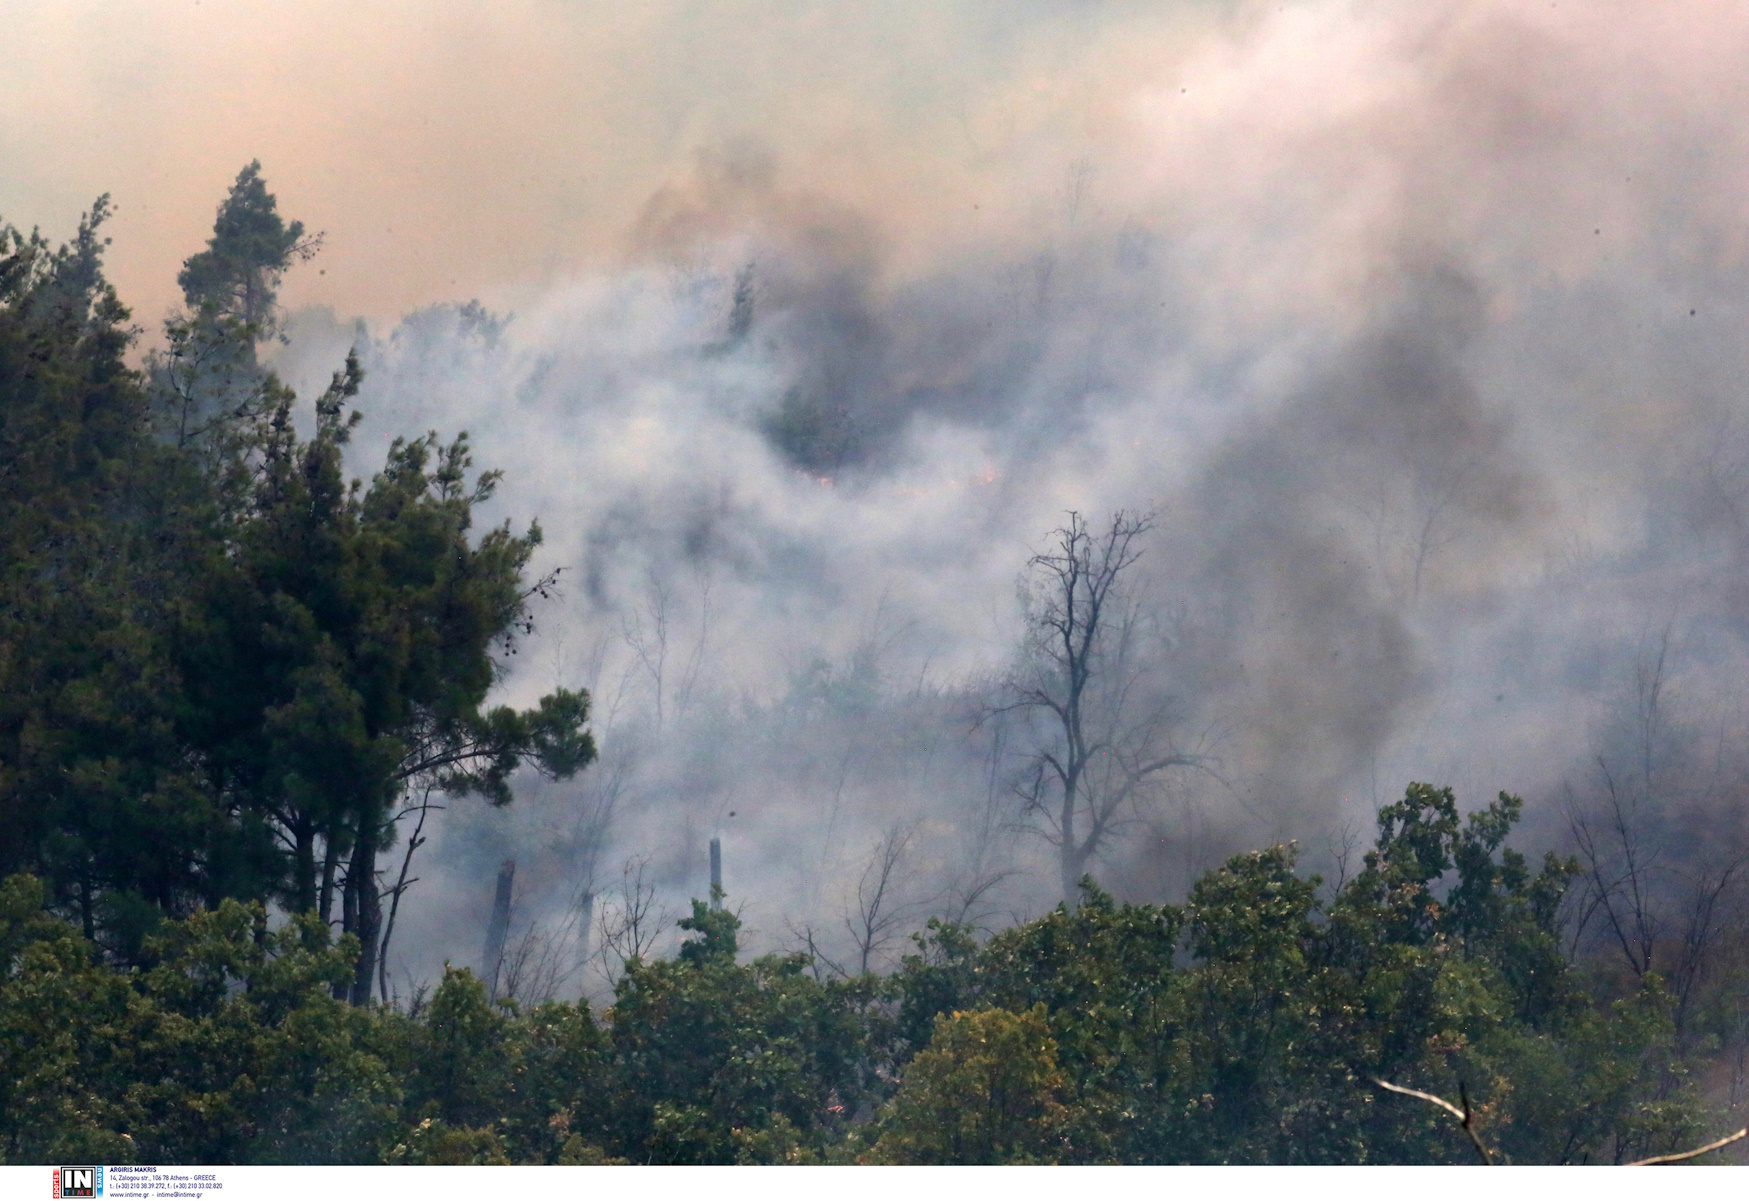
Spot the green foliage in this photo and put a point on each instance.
(238, 274)
(63, 1039)
(458, 1060)
(101, 540)
(985, 1091)
(244, 1053)
(1249, 1025)
(717, 1062)
(221, 661)
(433, 1142)
(943, 976)
(1103, 973)
(1607, 1087)
(210, 395)
(344, 647)
(228, 1048)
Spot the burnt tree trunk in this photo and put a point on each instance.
(499, 928)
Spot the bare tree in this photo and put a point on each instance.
(984, 868)
(1615, 835)
(822, 965)
(1342, 847)
(653, 636)
(1103, 724)
(1662, 917)
(1704, 918)
(418, 810)
(541, 960)
(1662, 897)
(879, 913)
(650, 643)
(1417, 516)
(596, 805)
(695, 661)
(1619, 869)
(1734, 1008)
(827, 841)
(1077, 182)
(629, 926)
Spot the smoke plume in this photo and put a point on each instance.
(1419, 325)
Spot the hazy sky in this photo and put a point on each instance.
(451, 148)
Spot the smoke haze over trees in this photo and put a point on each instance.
(1416, 328)
(1438, 457)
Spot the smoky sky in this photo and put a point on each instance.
(1419, 326)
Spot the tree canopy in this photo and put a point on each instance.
(1259, 1022)
(223, 661)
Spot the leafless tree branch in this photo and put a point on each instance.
(878, 914)
(1698, 1151)
(1466, 1116)
(1104, 732)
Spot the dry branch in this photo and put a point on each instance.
(1466, 1116)
(1682, 1155)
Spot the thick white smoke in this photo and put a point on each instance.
(1421, 325)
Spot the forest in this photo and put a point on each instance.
(224, 664)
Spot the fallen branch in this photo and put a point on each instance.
(1682, 1155)
(1465, 1116)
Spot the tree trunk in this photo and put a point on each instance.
(304, 868)
(366, 905)
(348, 923)
(1074, 866)
(588, 918)
(1072, 856)
(326, 904)
(499, 929)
